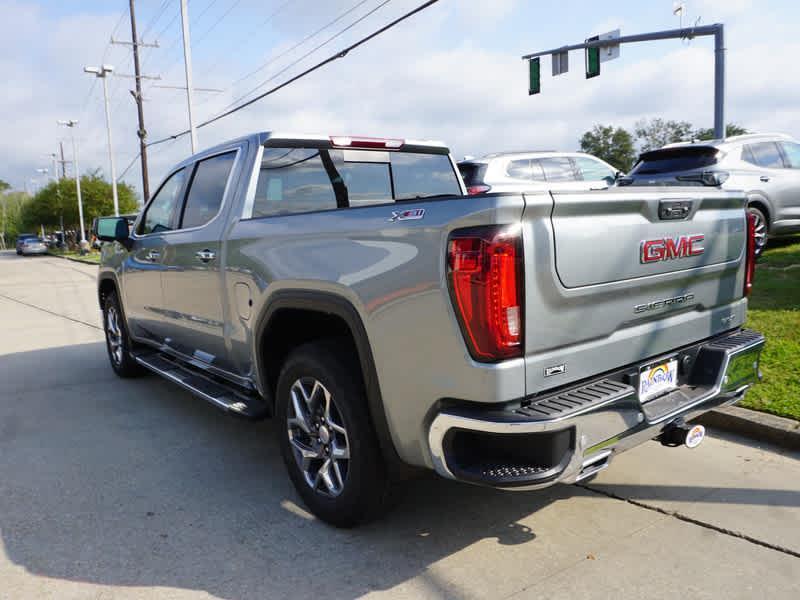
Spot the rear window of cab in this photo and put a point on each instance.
(298, 180)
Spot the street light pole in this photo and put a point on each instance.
(72, 123)
(102, 72)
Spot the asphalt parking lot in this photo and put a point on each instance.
(135, 489)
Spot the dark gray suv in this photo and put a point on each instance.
(765, 166)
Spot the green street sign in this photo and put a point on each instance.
(534, 79)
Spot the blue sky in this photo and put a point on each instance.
(451, 73)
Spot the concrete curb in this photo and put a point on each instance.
(755, 425)
(74, 259)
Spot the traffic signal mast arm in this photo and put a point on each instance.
(684, 33)
(717, 30)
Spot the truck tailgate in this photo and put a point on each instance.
(618, 276)
(615, 237)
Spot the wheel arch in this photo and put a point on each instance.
(760, 202)
(106, 284)
(336, 317)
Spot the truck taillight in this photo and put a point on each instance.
(750, 256)
(484, 267)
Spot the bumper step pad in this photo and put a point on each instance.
(575, 400)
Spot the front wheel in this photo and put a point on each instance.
(118, 341)
(327, 440)
(762, 229)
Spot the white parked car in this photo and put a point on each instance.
(546, 170)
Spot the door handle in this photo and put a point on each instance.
(764, 178)
(206, 255)
(153, 256)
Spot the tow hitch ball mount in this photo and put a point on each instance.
(680, 433)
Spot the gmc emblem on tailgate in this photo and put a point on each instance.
(672, 248)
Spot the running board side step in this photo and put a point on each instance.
(221, 395)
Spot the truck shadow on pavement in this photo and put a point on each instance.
(137, 483)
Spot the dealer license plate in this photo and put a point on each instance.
(657, 379)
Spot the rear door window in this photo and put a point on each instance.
(592, 170)
(558, 168)
(206, 190)
(764, 154)
(792, 152)
(527, 169)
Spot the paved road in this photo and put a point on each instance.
(134, 489)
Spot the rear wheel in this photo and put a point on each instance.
(118, 342)
(762, 228)
(327, 441)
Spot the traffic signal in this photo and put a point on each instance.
(534, 81)
(593, 59)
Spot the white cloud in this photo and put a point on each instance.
(410, 83)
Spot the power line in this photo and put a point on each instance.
(151, 23)
(250, 35)
(300, 43)
(319, 65)
(217, 22)
(309, 53)
(130, 164)
(194, 21)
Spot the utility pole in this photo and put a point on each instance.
(63, 162)
(102, 72)
(72, 123)
(717, 30)
(187, 63)
(137, 96)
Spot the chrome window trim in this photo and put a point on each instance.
(250, 197)
(192, 165)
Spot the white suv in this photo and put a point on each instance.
(521, 171)
(765, 165)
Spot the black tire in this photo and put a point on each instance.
(118, 341)
(762, 229)
(363, 489)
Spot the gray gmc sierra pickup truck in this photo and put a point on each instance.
(350, 289)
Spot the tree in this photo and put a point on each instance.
(13, 205)
(731, 129)
(4, 185)
(613, 145)
(657, 133)
(60, 198)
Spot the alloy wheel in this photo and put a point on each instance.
(317, 437)
(761, 232)
(114, 333)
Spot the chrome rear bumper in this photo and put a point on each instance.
(573, 433)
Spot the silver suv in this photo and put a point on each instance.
(542, 170)
(766, 166)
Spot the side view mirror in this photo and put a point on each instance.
(111, 229)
